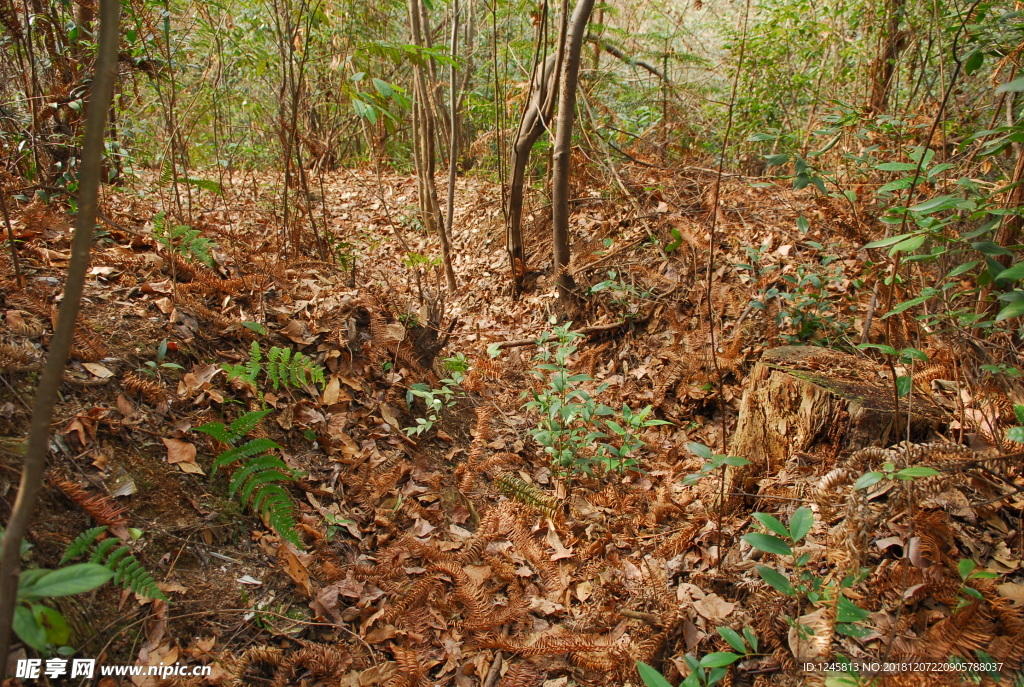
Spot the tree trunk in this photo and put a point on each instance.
(100, 98)
(884, 65)
(820, 401)
(563, 147)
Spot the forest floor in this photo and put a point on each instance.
(457, 556)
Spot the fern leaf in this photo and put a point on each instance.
(278, 510)
(82, 543)
(115, 558)
(261, 479)
(249, 448)
(205, 184)
(246, 423)
(99, 554)
(261, 463)
(218, 431)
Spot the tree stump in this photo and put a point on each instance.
(822, 402)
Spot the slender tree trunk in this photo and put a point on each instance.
(60, 346)
(884, 65)
(563, 147)
(423, 138)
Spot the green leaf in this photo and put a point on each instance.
(29, 629)
(965, 567)
(1015, 309)
(255, 326)
(699, 450)
(650, 676)
(867, 480)
(906, 305)
(801, 522)
(849, 612)
(904, 384)
(989, 248)
(917, 471)
(57, 630)
(776, 580)
(802, 224)
(733, 638)
(882, 243)
(776, 160)
(718, 658)
(973, 62)
(897, 166)
(73, 579)
(767, 543)
(772, 523)
(1016, 434)
(935, 205)
(735, 461)
(1015, 86)
(751, 638)
(909, 245)
(1012, 273)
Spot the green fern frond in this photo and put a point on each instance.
(205, 184)
(246, 423)
(82, 543)
(262, 463)
(218, 431)
(249, 448)
(113, 555)
(276, 508)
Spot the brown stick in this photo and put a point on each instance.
(586, 331)
(10, 237)
(495, 672)
(46, 396)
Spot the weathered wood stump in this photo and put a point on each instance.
(823, 402)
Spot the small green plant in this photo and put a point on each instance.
(803, 584)
(571, 421)
(38, 625)
(116, 557)
(437, 400)
(183, 239)
(283, 368)
(619, 458)
(258, 482)
(1016, 434)
(710, 669)
(713, 462)
(153, 367)
(625, 297)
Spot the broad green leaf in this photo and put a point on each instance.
(776, 580)
(897, 166)
(882, 243)
(909, 245)
(849, 612)
(973, 62)
(650, 676)
(801, 522)
(904, 384)
(736, 461)
(776, 160)
(28, 629)
(57, 630)
(916, 471)
(1012, 273)
(717, 659)
(1015, 309)
(733, 638)
(699, 450)
(767, 543)
(906, 305)
(1016, 434)
(965, 567)
(772, 523)
(73, 579)
(867, 480)
(1015, 86)
(989, 248)
(935, 205)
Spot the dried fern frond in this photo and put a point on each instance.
(522, 491)
(148, 388)
(102, 508)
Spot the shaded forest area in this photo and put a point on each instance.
(534, 344)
